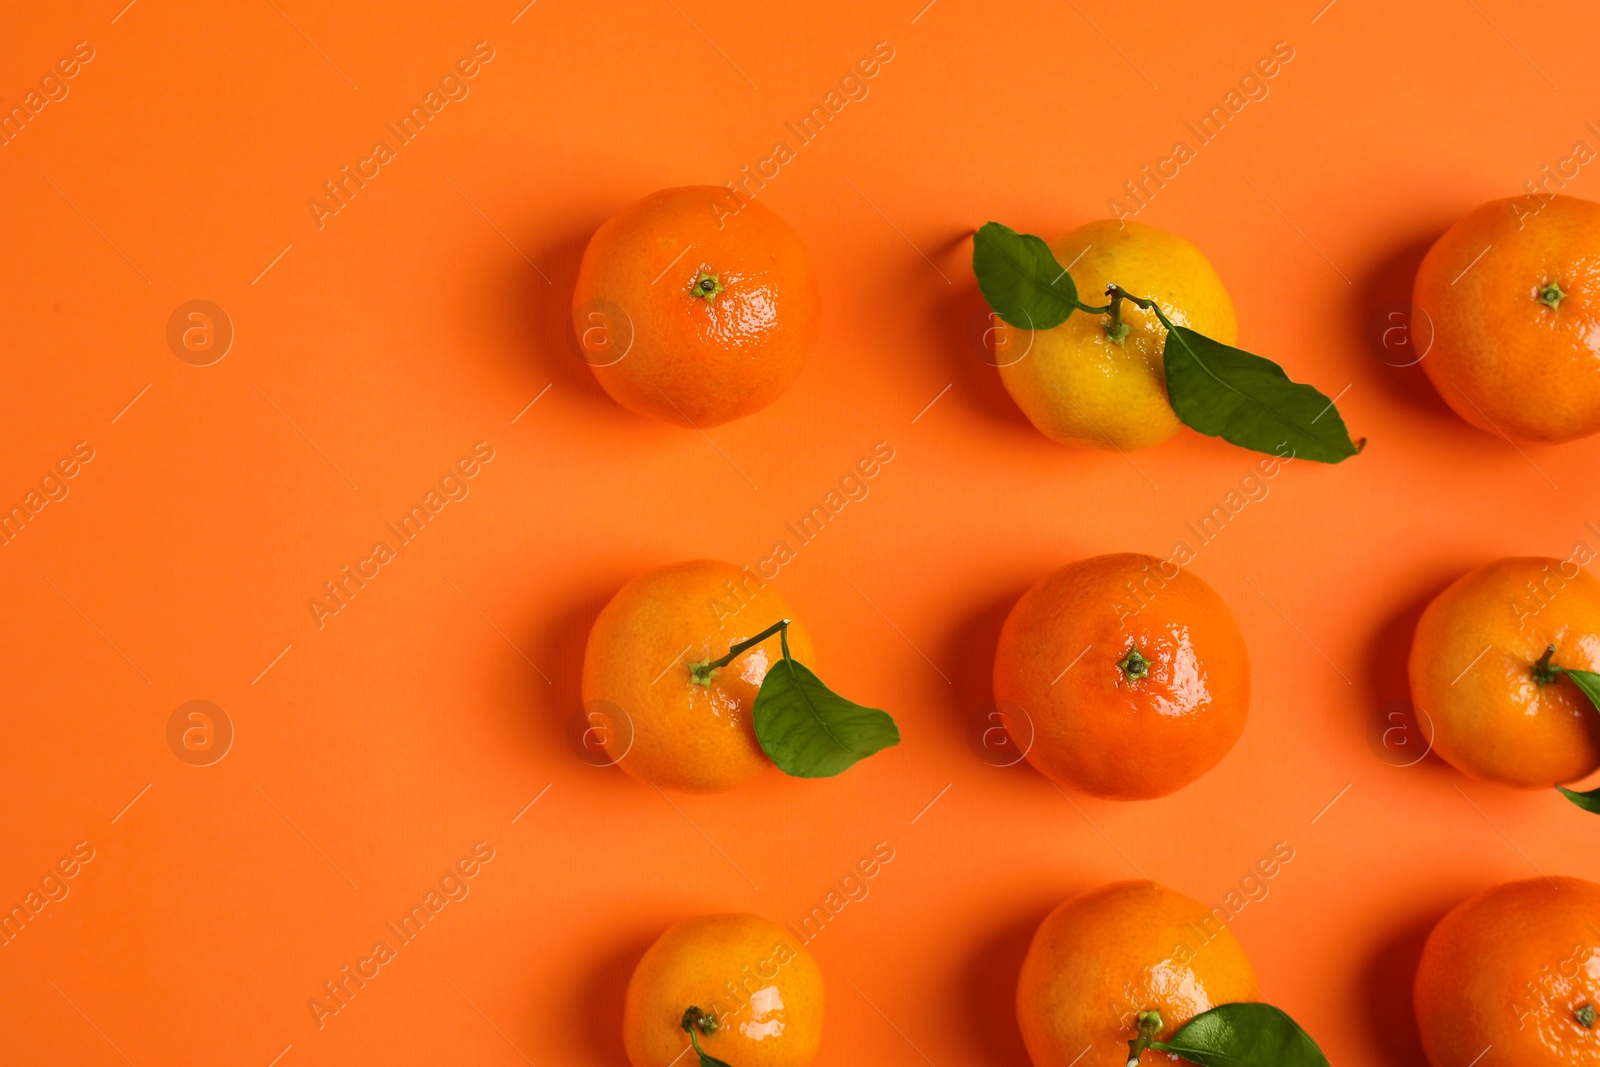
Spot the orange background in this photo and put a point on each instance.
(425, 716)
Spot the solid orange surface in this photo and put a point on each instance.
(376, 747)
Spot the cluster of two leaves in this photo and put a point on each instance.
(1214, 388)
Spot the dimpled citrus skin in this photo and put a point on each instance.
(1505, 971)
(1506, 362)
(1094, 728)
(693, 360)
(1101, 958)
(763, 987)
(686, 735)
(1074, 383)
(1490, 718)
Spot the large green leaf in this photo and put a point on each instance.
(810, 731)
(1244, 1035)
(1228, 393)
(1020, 278)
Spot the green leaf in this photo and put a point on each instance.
(1589, 801)
(709, 1061)
(1228, 393)
(810, 731)
(1588, 683)
(1020, 278)
(1244, 1035)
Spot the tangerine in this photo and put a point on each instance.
(1511, 978)
(685, 735)
(1080, 385)
(1484, 670)
(1101, 959)
(1514, 301)
(1136, 681)
(754, 998)
(691, 311)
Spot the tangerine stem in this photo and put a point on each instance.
(1543, 671)
(703, 671)
(706, 287)
(1134, 664)
(693, 1017)
(1149, 1026)
(1116, 329)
